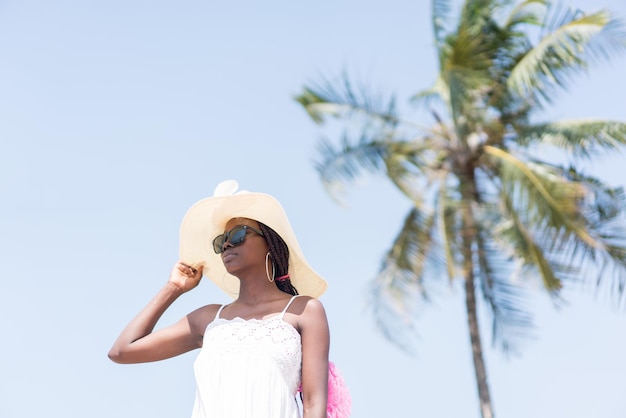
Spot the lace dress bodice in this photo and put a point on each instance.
(248, 369)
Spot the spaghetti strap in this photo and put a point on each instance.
(219, 311)
(287, 307)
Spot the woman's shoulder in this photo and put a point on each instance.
(307, 307)
(203, 316)
(308, 316)
(207, 309)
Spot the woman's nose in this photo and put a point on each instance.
(226, 244)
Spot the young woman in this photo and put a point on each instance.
(272, 339)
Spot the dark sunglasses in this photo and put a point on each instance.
(235, 236)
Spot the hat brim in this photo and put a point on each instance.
(207, 218)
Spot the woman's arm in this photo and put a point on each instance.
(137, 343)
(315, 347)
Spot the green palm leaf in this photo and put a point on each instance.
(579, 137)
(399, 290)
(563, 51)
(325, 100)
(506, 299)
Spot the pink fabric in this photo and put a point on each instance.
(339, 400)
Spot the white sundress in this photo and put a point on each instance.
(248, 368)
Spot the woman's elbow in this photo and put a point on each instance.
(116, 355)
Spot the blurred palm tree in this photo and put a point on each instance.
(488, 206)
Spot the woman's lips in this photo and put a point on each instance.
(227, 256)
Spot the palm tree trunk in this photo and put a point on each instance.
(468, 189)
(477, 349)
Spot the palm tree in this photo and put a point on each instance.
(489, 208)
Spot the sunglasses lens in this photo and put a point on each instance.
(235, 236)
(218, 243)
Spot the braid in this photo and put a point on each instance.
(280, 257)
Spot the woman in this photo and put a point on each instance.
(257, 350)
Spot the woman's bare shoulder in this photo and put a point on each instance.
(307, 310)
(202, 317)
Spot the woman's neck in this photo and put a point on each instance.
(255, 291)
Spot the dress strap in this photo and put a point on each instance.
(287, 307)
(219, 311)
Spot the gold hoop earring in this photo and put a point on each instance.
(267, 270)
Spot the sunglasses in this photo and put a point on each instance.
(235, 236)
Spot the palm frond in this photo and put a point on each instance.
(407, 177)
(513, 235)
(420, 157)
(405, 162)
(604, 212)
(602, 202)
(547, 200)
(448, 227)
(475, 14)
(511, 321)
(461, 83)
(525, 13)
(579, 231)
(398, 292)
(324, 100)
(467, 61)
(440, 15)
(610, 41)
(582, 138)
(436, 94)
(348, 160)
(471, 55)
(563, 51)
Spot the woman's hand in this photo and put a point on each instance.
(185, 277)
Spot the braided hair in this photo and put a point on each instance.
(280, 257)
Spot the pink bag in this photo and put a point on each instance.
(339, 400)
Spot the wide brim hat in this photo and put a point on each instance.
(207, 218)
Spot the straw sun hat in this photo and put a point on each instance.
(207, 219)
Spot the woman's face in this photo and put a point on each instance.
(250, 253)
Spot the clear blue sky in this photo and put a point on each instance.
(116, 116)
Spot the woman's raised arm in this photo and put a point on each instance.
(137, 343)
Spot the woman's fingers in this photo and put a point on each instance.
(185, 276)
